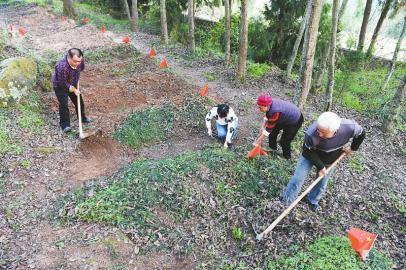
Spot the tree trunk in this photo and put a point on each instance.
(384, 12)
(342, 10)
(164, 24)
(68, 9)
(242, 57)
(227, 32)
(395, 57)
(299, 38)
(191, 21)
(395, 106)
(309, 47)
(332, 55)
(320, 72)
(367, 12)
(134, 16)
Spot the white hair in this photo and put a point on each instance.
(329, 120)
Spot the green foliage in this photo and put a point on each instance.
(357, 162)
(147, 126)
(257, 70)
(360, 89)
(330, 253)
(30, 118)
(130, 196)
(6, 141)
(237, 233)
(209, 76)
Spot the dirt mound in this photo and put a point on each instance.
(97, 156)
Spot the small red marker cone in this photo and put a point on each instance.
(254, 152)
(204, 90)
(152, 53)
(103, 29)
(64, 18)
(126, 40)
(164, 63)
(22, 31)
(85, 20)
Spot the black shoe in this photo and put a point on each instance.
(315, 207)
(230, 145)
(67, 129)
(87, 120)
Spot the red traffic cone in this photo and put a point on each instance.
(126, 39)
(164, 63)
(152, 53)
(103, 29)
(361, 241)
(22, 31)
(204, 91)
(254, 152)
(85, 20)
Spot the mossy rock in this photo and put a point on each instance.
(17, 77)
(44, 76)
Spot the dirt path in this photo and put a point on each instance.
(31, 242)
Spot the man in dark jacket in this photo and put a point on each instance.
(65, 83)
(279, 115)
(323, 144)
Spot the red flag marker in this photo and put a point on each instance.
(361, 241)
(152, 53)
(164, 63)
(254, 152)
(126, 40)
(204, 90)
(103, 29)
(85, 20)
(22, 31)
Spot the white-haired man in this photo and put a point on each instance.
(324, 141)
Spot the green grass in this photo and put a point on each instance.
(330, 253)
(357, 162)
(237, 233)
(257, 70)
(361, 90)
(7, 142)
(146, 126)
(129, 197)
(120, 52)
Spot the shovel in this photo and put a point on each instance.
(83, 135)
(287, 211)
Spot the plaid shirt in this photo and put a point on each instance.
(65, 75)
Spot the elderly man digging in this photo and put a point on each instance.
(323, 144)
(65, 82)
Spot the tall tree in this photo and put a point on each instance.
(227, 32)
(384, 13)
(299, 38)
(365, 20)
(332, 55)
(342, 9)
(68, 9)
(309, 48)
(191, 21)
(395, 56)
(242, 57)
(164, 23)
(395, 106)
(323, 59)
(132, 14)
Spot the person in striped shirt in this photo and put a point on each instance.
(279, 115)
(226, 123)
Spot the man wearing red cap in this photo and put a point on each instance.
(280, 115)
